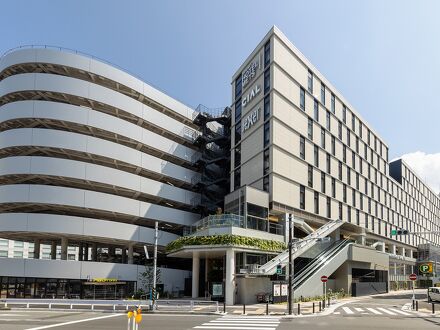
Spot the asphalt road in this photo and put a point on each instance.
(380, 312)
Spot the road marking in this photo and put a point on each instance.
(337, 313)
(372, 310)
(400, 312)
(231, 327)
(73, 322)
(385, 311)
(245, 321)
(347, 310)
(359, 309)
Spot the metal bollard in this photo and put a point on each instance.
(267, 308)
(244, 309)
(433, 308)
(224, 307)
(320, 308)
(328, 305)
(413, 304)
(313, 308)
(299, 309)
(323, 304)
(417, 305)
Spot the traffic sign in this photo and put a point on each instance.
(413, 277)
(395, 232)
(279, 270)
(426, 268)
(324, 279)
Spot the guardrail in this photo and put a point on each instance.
(113, 305)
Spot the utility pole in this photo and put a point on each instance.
(290, 297)
(156, 225)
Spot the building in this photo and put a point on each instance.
(93, 157)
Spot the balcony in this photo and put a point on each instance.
(236, 225)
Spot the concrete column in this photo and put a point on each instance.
(53, 250)
(124, 255)
(410, 253)
(64, 244)
(94, 252)
(229, 283)
(130, 254)
(80, 252)
(403, 251)
(393, 249)
(111, 254)
(37, 249)
(206, 277)
(195, 275)
(361, 239)
(86, 252)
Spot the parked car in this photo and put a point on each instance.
(433, 294)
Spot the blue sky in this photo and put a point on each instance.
(384, 56)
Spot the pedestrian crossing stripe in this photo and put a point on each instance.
(242, 323)
(376, 311)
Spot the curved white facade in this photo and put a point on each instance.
(90, 158)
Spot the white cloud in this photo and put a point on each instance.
(427, 167)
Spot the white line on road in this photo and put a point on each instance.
(359, 309)
(385, 311)
(245, 321)
(400, 312)
(347, 310)
(73, 322)
(230, 327)
(372, 310)
(257, 326)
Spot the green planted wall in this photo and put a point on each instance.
(233, 240)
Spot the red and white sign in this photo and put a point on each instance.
(413, 277)
(324, 279)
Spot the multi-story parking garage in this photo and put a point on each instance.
(92, 158)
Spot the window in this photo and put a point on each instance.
(310, 81)
(348, 213)
(361, 201)
(316, 155)
(266, 162)
(357, 144)
(18, 244)
(322, 138)
(266, 81)
(348, 137)
(18, 254)
(353, 122)
(266, 183)
(237, 156)
(310, 128)
(310, 176)
(266, 107)
(3, 254)
(238, 87)
(302, 99)
(366, 187)
(344, 114)
(344, 154)
(316, 202)
(348, 175)
(353, 160)
(340, 171)
(328, 120)
(358, 217)
(333, 145)
(302, 197)
(333, 188)
(267, 54)
(340, 211)
(302, 147)
(333, 105)
(323, 93)
(238, 110)
(366, 152)
(4, 242)
(340, 130)
(316, 110)
(328, 163)
(266, 134)
(353, 195)
(344, 193)
(357, 181)
(329, 208)
(323, 182)
(360, 129)
(237, 178)
(368, 136)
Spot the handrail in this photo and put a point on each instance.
(93, 57)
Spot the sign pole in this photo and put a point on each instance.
(156, 225)
(290, 301)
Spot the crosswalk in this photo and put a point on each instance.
(389, 311)
(242, 323)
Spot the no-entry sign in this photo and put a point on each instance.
(413, 277)
(324, 279)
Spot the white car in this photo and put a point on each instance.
(433, 294)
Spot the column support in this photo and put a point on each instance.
(229, 282)
(94, 252)
(195, 275)
(64, 244)
(53, 250)
(130, 254)
(37, 249)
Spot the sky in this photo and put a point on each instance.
(383, 56)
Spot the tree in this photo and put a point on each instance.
(146, 278)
